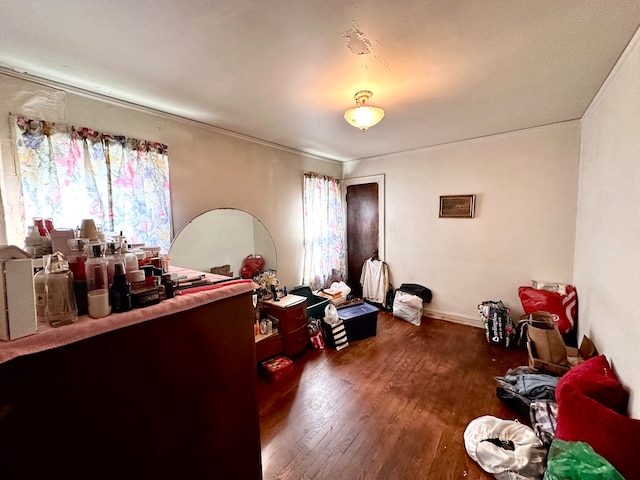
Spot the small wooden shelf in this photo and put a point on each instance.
(268, 346)
(260, 337)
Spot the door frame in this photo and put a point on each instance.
(379, 179)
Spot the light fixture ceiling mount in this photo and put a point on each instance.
(363, 116)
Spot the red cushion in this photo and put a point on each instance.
(614, 436)
(596, 380)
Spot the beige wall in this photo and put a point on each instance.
(526, 192)
(208, 169)
(607, 265)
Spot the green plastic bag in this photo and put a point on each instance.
(577, 461)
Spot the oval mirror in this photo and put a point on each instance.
(219, 237)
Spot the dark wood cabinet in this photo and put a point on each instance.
(269, 347)
(291, 312)
(172, 397)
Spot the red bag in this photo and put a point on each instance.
(251, 265)
(315, 333)
(563, 308)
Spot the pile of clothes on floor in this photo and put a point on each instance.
(577, 407)
(579, 427)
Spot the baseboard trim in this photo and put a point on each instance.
(452, 317)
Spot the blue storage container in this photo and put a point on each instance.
(360, 321)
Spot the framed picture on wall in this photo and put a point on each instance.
(457, 206)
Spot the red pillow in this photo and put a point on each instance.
(563, 308)
(595, 379)
(613, 436)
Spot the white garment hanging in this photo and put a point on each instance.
(375, 281)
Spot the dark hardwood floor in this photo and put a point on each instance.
(393, 406)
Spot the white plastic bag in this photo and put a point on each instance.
(407, 306)
(506, 448)
(331, 314)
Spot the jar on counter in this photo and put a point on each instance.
(55, 299)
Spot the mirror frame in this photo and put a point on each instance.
(222, 236)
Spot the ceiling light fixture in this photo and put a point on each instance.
(363, 116)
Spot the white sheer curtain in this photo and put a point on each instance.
(324, 240)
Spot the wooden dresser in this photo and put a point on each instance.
(291, 312)
(173, 396)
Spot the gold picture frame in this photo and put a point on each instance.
(457, 206)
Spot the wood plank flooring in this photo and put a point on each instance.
(393, 406)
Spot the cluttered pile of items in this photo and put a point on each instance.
(577, 406)
(63, 274)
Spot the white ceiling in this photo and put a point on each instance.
(284, 71)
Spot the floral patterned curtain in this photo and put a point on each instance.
(324, 242)
(69, 173)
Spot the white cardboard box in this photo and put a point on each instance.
(17, 299)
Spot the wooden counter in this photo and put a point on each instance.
(169, 397)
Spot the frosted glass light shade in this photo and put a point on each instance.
(364, 117)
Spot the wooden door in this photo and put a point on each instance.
(362, 230)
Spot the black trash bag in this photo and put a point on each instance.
(413, 288)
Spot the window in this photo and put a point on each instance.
(68, 173)
(324, 245)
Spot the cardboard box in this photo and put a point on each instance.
(59, 240)
(17, 299)
(575, 356)
(277, 367)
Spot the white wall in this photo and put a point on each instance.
(607, 263)
(208, 169)
(524, 228)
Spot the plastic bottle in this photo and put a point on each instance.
(120, 290)
(97, 281)
(113, 256)
(130, 258)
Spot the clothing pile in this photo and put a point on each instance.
(579, 429)
(520, 386)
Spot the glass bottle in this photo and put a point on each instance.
(44, 234)
(157, 282)
(33, 242)
(97, 281)
(77, 259)
(169, 285)
(53, 286)
(120, 290)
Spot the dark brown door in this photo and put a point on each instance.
(362, 230)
